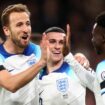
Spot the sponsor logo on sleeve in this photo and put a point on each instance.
(103, 75)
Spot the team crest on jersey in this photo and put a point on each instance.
(62, 84)
(31, 62)
(103, 75)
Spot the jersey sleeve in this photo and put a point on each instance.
(1, 59)
(100, 71)
(1, 63)
(37, 51)
(86, 77)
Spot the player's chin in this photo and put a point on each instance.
(23, 45)
(25, 42)
(58, 58)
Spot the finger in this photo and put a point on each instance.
(82, 60)
(48, 53)
(46, 44)
(68, 34)
(86, 64)
(44, 37)
(68, 37)
(77, 58)
(68, 30)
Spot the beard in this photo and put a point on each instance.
(18, 43)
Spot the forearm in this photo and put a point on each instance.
(85, 76)
(14, 82)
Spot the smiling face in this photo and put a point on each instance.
(56, 45)
(98, 39)
(19, 29)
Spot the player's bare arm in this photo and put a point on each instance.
(15, 82)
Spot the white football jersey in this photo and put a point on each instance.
(88, 78)
(61, 87)
(29, 94)
(100, 71)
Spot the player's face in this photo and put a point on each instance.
(19, 29)
(56, 45)
(97, 39)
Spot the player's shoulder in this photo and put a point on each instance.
(33, 48)
(3, 53)
(100, 70)
(100, 66)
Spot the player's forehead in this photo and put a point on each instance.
(19, 17)
(56, 35)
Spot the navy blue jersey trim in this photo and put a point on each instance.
(102, 93)
(64, 68)
(31, 48)
(102, 84)
(2, 67)
(4, 52)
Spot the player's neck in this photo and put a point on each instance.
(53, 66)
(12, 48)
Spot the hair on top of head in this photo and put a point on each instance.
(10, 9)
(100, 19)
(54, 29)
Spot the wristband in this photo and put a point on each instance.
(2, 67)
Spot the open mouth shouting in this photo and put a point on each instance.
(25, 37)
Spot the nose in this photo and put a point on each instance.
(57, 46)
(26, 28)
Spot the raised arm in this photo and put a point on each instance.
(67, 44)
(13, 82)
(85, 76)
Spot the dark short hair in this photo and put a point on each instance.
(54, 29)
(100, 19)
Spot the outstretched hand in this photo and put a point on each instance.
(81, 58)
(44, 48)
(67, 44)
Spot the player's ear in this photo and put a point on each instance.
(6, 30)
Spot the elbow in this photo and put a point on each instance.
(11, 88)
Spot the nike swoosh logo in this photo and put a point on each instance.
(41, 92)
(10, 70)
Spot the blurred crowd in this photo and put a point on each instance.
(79, 14)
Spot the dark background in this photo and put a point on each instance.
(80, 14)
